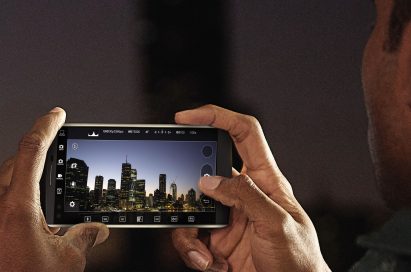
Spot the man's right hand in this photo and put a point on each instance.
(268, 230)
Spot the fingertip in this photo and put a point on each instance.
(56, 109)
(61, 113)
(208, 183)
(199, 260)
(180, 117)
(102, 235)
(85, 236)
(177, 117)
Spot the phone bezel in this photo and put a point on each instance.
(223, 160)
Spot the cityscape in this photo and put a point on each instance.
(132, 194)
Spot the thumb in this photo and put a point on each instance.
(241, 192)
(86, 235)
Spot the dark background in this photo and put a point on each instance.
(295, 65)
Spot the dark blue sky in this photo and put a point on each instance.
(181, 161)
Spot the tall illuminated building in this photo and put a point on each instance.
(140, 193)
(104, 199)
(162, 180)
(173, 189)
(191, 197)
(157, 198)
(98, 190)
(125, 184)
(111, 198)
(131, 201)
(111, 185)
(162, 183)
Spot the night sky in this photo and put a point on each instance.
(180, 161)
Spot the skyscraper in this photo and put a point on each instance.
(162, 180)
(125, 184)
(111, 185)
(162, 183)
(111, 198)
(191, 197)
(150, 200)
(140, 193)
(173, 189)
(76, 183)
(98, 190)
(131, 201)
(157, 198)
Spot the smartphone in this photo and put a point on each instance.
(134, 176)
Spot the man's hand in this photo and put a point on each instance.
(268, 230)
(27, 243)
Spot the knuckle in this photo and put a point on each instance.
(244, 183)
(176, 236)
(285, 225)
(8, 163)
(252, 121)
(181, 241)
(210, 106)
(34, 142)
(242, 126)
(18, 215)
(244, 189)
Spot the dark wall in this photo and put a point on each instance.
(80, 56)
(296, 64)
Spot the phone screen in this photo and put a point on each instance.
(135, 175)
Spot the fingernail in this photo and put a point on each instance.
(198, 259)
(210, 182)
(102, 235)
(56, 109)
(182, 112)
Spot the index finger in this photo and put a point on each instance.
(248, 138)
(29, 161)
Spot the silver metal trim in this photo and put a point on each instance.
(51, 170)
(132, 125)
(147, 226)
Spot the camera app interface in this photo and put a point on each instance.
(141, 170)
